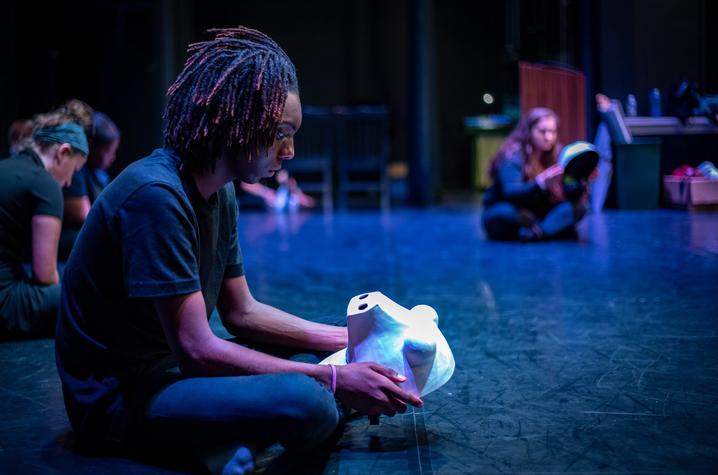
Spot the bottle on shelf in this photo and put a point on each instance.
(654, 98)
(631, 106)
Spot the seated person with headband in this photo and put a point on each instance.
(30, 223)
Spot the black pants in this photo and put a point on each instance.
(27, 309)
(503, 220)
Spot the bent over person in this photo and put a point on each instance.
(158, 252)
(30, 221)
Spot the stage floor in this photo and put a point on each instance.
(597, 356)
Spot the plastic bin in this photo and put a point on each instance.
(690, 192)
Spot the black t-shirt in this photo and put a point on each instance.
(150, 234)
(26, 190)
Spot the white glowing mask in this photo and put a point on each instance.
(407, 341)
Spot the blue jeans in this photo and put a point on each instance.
(199, 413)
(292, 409)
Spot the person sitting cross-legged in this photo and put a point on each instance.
(139, 363)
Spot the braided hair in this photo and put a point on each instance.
(231, 93)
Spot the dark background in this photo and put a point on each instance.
(355, 52)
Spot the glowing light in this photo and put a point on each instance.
(488, 98)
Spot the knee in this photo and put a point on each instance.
(310, 408)
(500, 223)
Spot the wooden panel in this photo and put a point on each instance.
(560, 89)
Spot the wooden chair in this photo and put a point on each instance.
(362, 156)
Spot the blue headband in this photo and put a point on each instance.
(69, 133)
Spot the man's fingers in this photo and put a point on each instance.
(398, 405)
(389, 373)
(393, 389)
(402, 395)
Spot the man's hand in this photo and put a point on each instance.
(372, 389)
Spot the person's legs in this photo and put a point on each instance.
(29, 310)
(235, 412)
(292, 409)
(215, 416)
(562, 219)
(502, 221)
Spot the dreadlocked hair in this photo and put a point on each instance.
(231, 93)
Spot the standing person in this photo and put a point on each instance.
(30, 222)
(526, 200)
(90, 180)
(139, 364)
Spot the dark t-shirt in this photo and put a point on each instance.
(26, 190)
(86, 182)
(150, 234)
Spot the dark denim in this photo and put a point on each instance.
(503, 220)
(204, 412)
(292, 409)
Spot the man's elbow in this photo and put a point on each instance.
(46, 277)
(236, 323)
(196, 361)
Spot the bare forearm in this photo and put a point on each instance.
(202, 353)
(271, 325)
(50, 277)
(220, 357)
(76, 210)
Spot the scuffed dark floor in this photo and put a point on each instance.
(593, 357)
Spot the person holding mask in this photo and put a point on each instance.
(526, 200)
(140, 366)
(31, 211)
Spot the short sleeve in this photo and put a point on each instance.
(47, 196)
(78, 187)
(235, 263)
(159, 243)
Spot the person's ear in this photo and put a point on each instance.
(63, 152)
